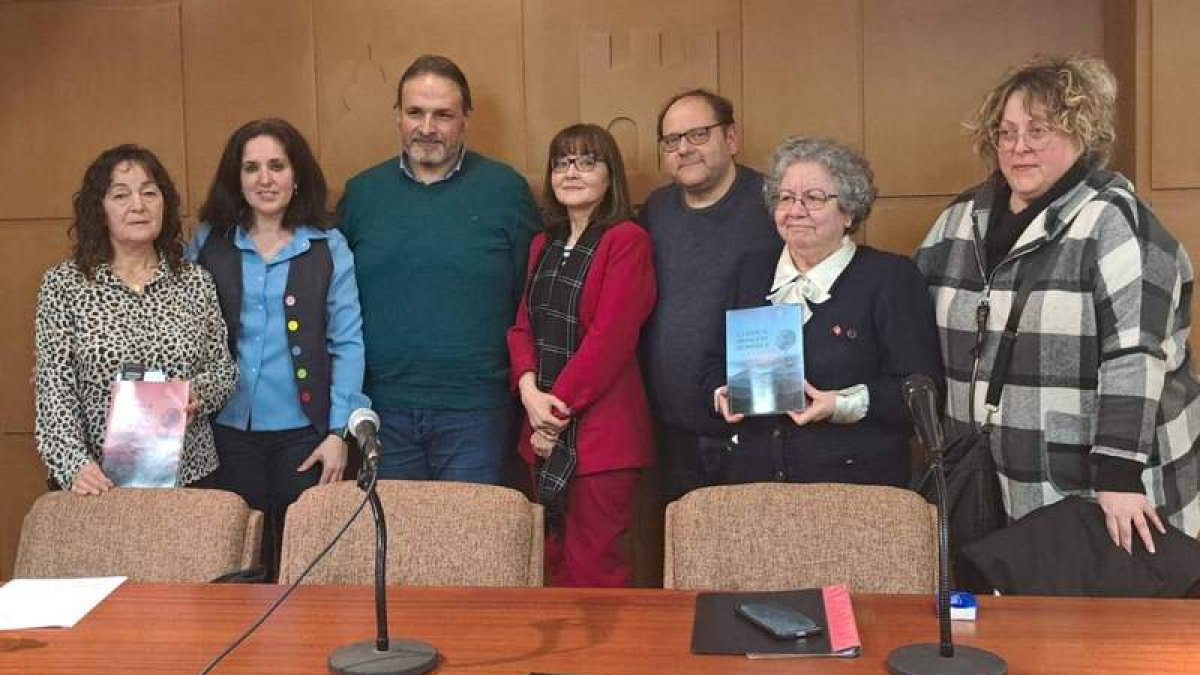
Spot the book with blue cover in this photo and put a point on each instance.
(764, 359)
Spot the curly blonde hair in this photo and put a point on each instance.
(1078, 95)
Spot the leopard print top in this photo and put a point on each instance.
(86, 331)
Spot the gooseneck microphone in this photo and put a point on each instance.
(363, 426)
(921, 398)
(383, 655)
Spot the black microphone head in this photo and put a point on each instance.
(917, 382)
(921, 398)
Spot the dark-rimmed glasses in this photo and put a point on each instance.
(694, 136)
(583, 163)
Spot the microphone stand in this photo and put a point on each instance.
(943, 658)
(381, 656)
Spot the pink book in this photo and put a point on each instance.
(143, 438)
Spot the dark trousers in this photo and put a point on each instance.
(260, 466)
(690, 461)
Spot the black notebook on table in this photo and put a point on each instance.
(719, 630)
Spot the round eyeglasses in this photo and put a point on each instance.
(1037, 136)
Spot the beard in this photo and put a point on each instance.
(431, 152)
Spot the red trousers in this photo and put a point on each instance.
(593, 549)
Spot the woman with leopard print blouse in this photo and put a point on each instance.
(126, 297)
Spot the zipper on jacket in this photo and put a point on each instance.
(982, 312)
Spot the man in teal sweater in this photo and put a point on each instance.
(440, 239)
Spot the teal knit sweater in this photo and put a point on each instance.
(440, 269)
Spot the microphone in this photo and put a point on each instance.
(921, 398)
(383, 655)
(944, 658)
(364, 427)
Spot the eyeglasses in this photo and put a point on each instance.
(583, 163)
(1037, 136)
(813, 200)
(696, 136)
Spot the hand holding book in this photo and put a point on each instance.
(90, 480)
(821, 405)
(721, 405)
(192, 407)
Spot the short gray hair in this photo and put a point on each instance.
(850, 171)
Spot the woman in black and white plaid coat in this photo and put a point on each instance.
(1100, 400)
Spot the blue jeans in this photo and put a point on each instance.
(458, 445)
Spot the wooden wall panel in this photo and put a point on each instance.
(242, 60)
(24, 481)
(1121, 41)
(1143, 40)
(899, 224)
(926, 65)
(615, 63)
(363, 47)
(803, 73)
(27, 249)
(67, 92)
(1179, 211)
(1175, 95)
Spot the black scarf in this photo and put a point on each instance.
(554, 293)
(1006, 227)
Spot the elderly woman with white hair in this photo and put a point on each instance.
(868, 324)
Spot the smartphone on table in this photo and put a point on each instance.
(781, 622)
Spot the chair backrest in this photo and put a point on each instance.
(146, 534)
(439, 534)
(773, 536)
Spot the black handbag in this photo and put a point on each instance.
(1065, 549)
(974, 507)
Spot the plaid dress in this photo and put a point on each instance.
(1101, 366)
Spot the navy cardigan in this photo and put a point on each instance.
(876, 329)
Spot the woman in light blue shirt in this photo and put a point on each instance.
(287, 290)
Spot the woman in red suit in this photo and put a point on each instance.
(586, 434)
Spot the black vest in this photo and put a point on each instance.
(304, 299)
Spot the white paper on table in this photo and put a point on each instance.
(51, 603)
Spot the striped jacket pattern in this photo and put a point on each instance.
(1101, 366)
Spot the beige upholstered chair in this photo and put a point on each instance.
(439, 534)
(771, 536)
(177, 534)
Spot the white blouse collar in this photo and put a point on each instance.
(791, 286)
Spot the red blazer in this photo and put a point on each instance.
(602, 383)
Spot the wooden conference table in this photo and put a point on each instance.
(178, 628)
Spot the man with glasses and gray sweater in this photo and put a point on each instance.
(701, 224)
